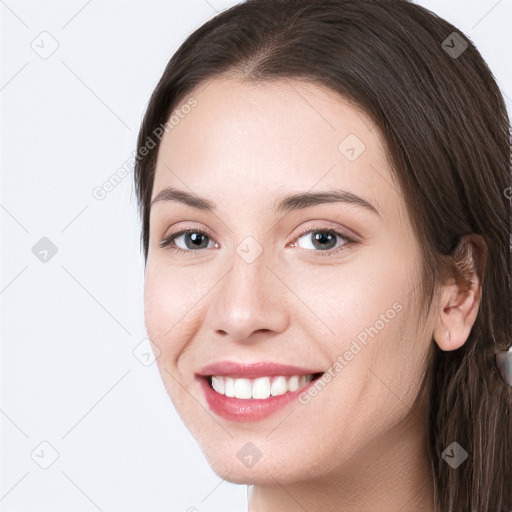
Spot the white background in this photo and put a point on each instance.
(69, 326)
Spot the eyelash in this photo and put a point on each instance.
(168, 241)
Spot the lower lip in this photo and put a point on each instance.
(250, 409)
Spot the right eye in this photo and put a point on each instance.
(193, 241)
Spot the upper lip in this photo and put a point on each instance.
(253, 369)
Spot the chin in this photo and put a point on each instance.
(228, 463)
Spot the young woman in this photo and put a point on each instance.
(324, 188)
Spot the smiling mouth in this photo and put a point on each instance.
(259, 388)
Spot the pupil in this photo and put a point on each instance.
(196, 239)
(325, 237)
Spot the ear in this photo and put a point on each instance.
(460, 297)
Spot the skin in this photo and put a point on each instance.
(360, 444)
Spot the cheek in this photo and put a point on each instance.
(170, 295)
(169, 300)
(364, 292)
(364, 319)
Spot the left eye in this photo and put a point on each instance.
(324, 240)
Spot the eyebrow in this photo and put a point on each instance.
(287, 204)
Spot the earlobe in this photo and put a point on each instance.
(455, 323)
(460, 300)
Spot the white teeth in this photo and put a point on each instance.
(293, 383)
(218, 384)
(229, 387)
(260, 388)
(279, 386)
(243, 388)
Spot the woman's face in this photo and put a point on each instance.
(251, 286)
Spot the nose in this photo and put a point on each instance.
(248, 301)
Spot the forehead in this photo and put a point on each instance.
(249, 139)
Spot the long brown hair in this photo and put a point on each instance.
(447, 133)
